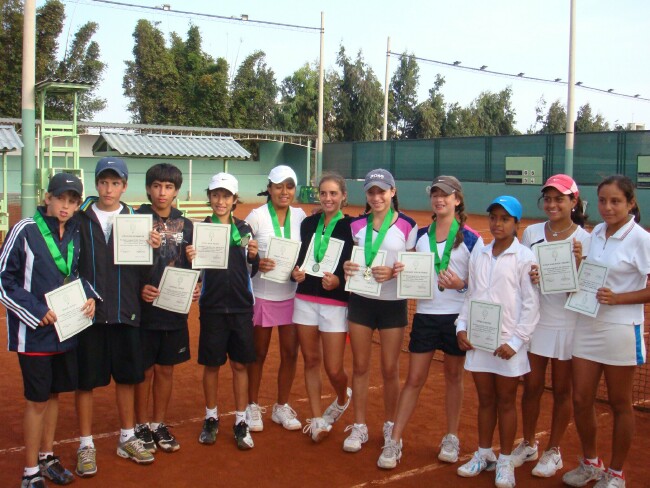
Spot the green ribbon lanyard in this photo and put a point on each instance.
(276, 222)
(235, 236)
(322, 239)
(442, 264)
(371, 248)
(63, 267)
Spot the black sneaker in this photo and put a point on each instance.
(164, 439)
(52, 468)
(33, 481)
(243, 436)
(210, 431)
(143, 432)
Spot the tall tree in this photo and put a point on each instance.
(404, 99)
(430, 115)
(552, 121)
(11, 45)
(254, 90)
(494, 113)
(586, 121)
(358, 100)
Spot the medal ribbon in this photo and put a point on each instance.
(276, 222)
(322, 239)
(235, 236)
(442, 264)
(370, 248)
(62, 266)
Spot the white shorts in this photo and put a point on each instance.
(552, 342)
(479, 361)
(328, 318)
(609, 343)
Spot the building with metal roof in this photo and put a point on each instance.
(9, 139)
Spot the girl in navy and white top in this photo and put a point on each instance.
(612, 343)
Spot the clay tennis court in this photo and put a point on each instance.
(290, 459)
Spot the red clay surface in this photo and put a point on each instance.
(282, 458)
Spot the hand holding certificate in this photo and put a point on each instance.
(67, 303)
(557, 268)
(329, 262)
(212, 245)
(484, 325)
(284, 252)
(130, 236)
(416, 279)
(176, 289)
(363, 281)
(590, 278)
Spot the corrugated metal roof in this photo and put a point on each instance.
(135, 145)
(9, 140)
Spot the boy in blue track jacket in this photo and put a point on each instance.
(39, 255)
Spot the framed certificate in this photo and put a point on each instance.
(66, 302)
(212, 245)
(590, 278)
(130, 236)
(557, 269)
(416, 279)
(363, 281)
(329, 262)
(285, 254)
(176, 289)
(484, 325)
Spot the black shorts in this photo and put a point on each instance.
(44, 375)
(107, 350)
(377, 314)
(432, 332)
(226, 333)
(164, 347)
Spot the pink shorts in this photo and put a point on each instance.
(267, 313)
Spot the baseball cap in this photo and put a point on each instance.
(116, 164)
(562, 183)
(509, 204)
(282, 173)
(448, 184)
(62, 182)
(379, 177)
(225, 181)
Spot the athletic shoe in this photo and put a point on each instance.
(254, 417)
(210, 430)
(133, 449)
(318, 428)
(524, 453)
(285, 416)
(86, 462)
(549, 463)
(143, 432)
(477, 464)
(164, 439)
(449, 449)
(52, 468)
(391, 453)
(388, 431)
(33, 481)
(243, 436)
(335, 411)
(357, 437)
(584, 473)
(505, 476)
(611, 480)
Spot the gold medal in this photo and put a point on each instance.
(367, 274)
(244, 240)
(441, 288)
(67, 280)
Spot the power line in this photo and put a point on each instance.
(520, 76)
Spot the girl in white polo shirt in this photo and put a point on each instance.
(612, 343)
(274, 301)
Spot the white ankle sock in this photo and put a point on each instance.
(126, 434)
(31, 471)
(86, 441)
(239, 417)
(42, 456)
(211, 413)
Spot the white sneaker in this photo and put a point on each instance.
(334, 411)
(549, 463)
(318, 428)
(357, 437)
(610, 480)
(286, 417)
(388, 431)
(505, 476)
(449, 449)
(391, 453)
(524, 453)
(254, 417)
(477, 464)
(584, 473)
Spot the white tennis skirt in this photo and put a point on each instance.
(609, 343)
(552, 342)
(479, 361)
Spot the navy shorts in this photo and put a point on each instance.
(377, 314)
(432, 332)
(45, 375)
(164, 347)
(226, 335)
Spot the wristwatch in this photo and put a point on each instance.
(464, 288)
